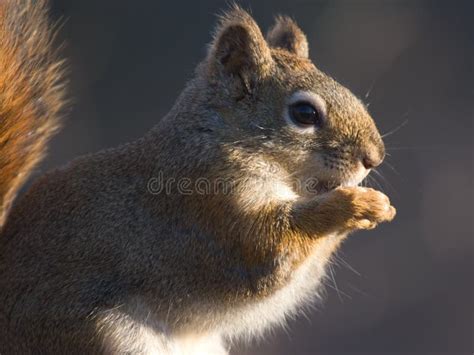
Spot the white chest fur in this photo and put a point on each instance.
(254, 319)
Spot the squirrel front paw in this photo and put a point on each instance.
(360, 207)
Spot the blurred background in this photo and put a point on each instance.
(405, 287)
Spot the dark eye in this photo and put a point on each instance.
(305, 114)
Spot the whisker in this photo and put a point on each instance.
(372, 85)
(331, 272)
(262, 128)
(386, 181)
(339, 292)
(344, 262)
(391, 167)
(396, 129)
(356, 289)
(416, 148)
(246, 140)
(374, 180)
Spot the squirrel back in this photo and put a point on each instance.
(31, 93)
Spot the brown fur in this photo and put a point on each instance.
(287, 35)
(93, 261)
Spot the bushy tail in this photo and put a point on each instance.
(31, 92)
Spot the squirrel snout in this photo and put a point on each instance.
(373, 157)
(369, 162)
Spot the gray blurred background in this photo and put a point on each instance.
(405, 287)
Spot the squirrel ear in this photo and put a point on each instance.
(287, 35)
(239, 49)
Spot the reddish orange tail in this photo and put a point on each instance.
(31, 92)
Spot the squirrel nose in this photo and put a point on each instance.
(369, 162)
(372, 158)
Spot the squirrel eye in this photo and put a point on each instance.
(305, 114)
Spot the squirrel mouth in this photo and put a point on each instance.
(320, 187)
(323, 186)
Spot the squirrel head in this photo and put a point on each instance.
(274, 103)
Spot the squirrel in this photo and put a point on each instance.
(97, 257)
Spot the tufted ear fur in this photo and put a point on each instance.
(239, 51)
(287, 35)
